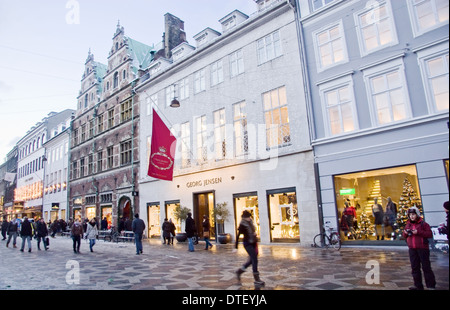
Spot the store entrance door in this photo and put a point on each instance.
(154, 227)
(204, 205)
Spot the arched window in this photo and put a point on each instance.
(116, 79)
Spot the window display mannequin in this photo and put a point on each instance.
(348, 220)
(378, 214)
(390, 218)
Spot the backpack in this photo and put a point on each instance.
(77, 230)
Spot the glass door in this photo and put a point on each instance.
(204, 205)
(247, 202)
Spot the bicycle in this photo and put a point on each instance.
(331, 240)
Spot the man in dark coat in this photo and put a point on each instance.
(41, 233)
(190, 231)
(26, 232)
(4, 227)
(138, 227)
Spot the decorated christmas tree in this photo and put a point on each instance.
(365, 226)
(408, 199)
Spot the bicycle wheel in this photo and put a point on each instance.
(335, 241)
(318, 241)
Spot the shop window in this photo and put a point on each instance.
(153, 220)
(373, 205)
(247, 202)
(446, 170)
(170, 209)
(90, 213)
(284, 217)
(107, 212)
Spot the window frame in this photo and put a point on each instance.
(415, 25)
(263, 46)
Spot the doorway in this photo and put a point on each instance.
(204, 204)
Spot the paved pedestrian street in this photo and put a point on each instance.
(115, 266)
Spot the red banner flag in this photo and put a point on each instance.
(162, 153)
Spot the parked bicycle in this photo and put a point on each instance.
(327, 240)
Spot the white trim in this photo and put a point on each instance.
(369, 6)
(333, 85)
(415, 21)
(393, 65)
(345, 59)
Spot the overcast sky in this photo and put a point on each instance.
(44, 44)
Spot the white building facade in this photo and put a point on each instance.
(242, 128)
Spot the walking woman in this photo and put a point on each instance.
(206, 231)
(247, 228)
(91, 233)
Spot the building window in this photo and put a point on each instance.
(217, 73)
(100, 161)
(125, 153)
(111, 118)
(185, 145)
(339, 106)
(240, 128)
(91, 128)
(199, 81)
(202, 150)
(170, 94)
(184, 89)
(82, 167)
(75, 137)
(220, 145)
(116, 80)
(100, 123)
(269, 47)
(373, 205)
(83, 133)
(236, 63)
(284, 217)
(388, 93)
(375, 28)
(317, 4)
(427, 15)
(330, 46)
(276, 118)
(125, 111)
(110, 158)
(435, 71)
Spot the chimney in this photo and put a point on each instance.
(174, 34)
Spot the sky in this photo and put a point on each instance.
(44, 45)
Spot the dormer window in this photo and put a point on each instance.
(232, 20)
(205, 36)
(181, 51)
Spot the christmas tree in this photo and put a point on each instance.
(365, 226)
(408, 199)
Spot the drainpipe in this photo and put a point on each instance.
(133, 186)
(306, 85)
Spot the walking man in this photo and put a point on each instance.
(138, 227)
(76, 232)
(12, 231)
(190, 231)
(26, 232)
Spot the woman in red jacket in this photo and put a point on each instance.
(417, 232)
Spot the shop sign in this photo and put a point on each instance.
(347, 191)
(205, 182)
(55, 206)
(78, 201)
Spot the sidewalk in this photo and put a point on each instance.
(115, 266)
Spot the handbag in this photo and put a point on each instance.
(47, 241)
(206, 234)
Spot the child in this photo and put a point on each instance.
(417, 233)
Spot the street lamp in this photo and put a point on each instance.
(175, 103)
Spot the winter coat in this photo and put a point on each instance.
(248, 230)
(26, 229)
(190, 227)
(420, 240)
(166, 228)
(138, 226)
(41, 229)
(378, 214)
(5, 226)
(77, 229)
(12, 227)
(91, 231)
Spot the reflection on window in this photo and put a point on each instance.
(430, 13)
(250, 204)
(438, 77)
(373, 205)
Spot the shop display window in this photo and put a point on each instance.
(154, 225)
(446, 170)
(90, 213)
(170, 208)
(107, 212)
(284, 216)
(373, 205)
(247, 202)
(77, 214)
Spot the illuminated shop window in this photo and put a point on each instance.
(373, 205)
(284, 217)
(247, 202)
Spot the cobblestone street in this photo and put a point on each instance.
(114, 266)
